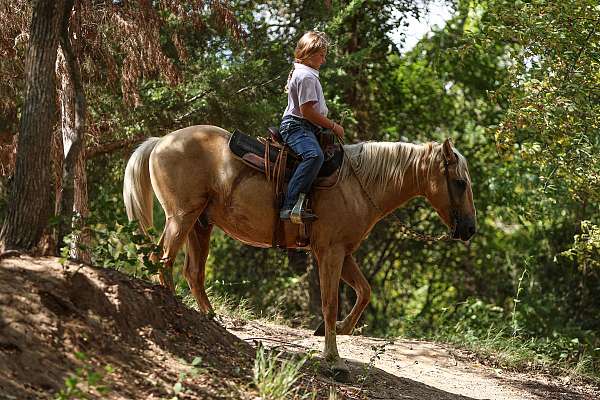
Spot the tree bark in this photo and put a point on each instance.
(29, 201)
(80, 250)
(73, 204)
(298, 261)
(354, 94)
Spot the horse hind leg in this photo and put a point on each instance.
(353, 276)
(174, 235)
(195, 261)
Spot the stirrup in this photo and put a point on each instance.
(298, 214)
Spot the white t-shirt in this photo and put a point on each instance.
(304, 86)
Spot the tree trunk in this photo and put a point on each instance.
(73, 204)
(57, 168)
(80, 249)
(29, 201)
(354, 94)
(298, 261)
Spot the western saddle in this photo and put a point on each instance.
(277, 161)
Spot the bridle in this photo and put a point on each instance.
(454, 214)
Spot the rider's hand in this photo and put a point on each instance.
(338, 130)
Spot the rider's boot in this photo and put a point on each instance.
(298, 215)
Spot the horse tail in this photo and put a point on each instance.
(137, 188)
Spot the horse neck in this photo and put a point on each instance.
(390, 191)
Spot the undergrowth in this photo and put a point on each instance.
(524, 354)
(275, 377)
(88, 381)
(498, 340)
(222, 304)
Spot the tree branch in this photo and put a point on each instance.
(103, 149)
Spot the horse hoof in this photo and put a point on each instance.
(341, 376)
(320, 331)
(211, 315)
(340, 372)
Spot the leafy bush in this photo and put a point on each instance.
(586, 247)
(119, 246)
(489, 330)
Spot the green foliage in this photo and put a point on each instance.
(87, 382)
(192, 370)
(553, 113)
(114, 242)
(274, 376)
(259, 279)
(473, 317)
(223, 304)
(121, 247)
(485, 329)
(586, 248)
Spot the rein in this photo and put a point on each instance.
(406, 230)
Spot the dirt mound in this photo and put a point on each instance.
(58, 322)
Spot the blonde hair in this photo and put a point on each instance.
(309, 44)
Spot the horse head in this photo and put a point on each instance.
(448, 189)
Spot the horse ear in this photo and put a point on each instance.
(448, 151)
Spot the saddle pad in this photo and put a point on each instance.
(241, 144)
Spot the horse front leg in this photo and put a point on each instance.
(330, 268)
(353, 276)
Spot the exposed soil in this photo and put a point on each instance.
(58, 322)
(48, 314)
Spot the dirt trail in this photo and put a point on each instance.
(409, 369)
(49, 315)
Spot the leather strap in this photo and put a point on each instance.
(267, 160)
(278, 179)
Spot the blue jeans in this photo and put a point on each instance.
(299, 134)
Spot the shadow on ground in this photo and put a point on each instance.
(549, 391)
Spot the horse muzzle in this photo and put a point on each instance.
(464, 229)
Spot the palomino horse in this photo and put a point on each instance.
(200, 183)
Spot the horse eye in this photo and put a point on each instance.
(461, 185)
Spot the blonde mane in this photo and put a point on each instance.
(379, 164)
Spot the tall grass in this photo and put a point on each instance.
(275, 376)
(222, 304)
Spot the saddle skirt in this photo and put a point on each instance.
(252, 152)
